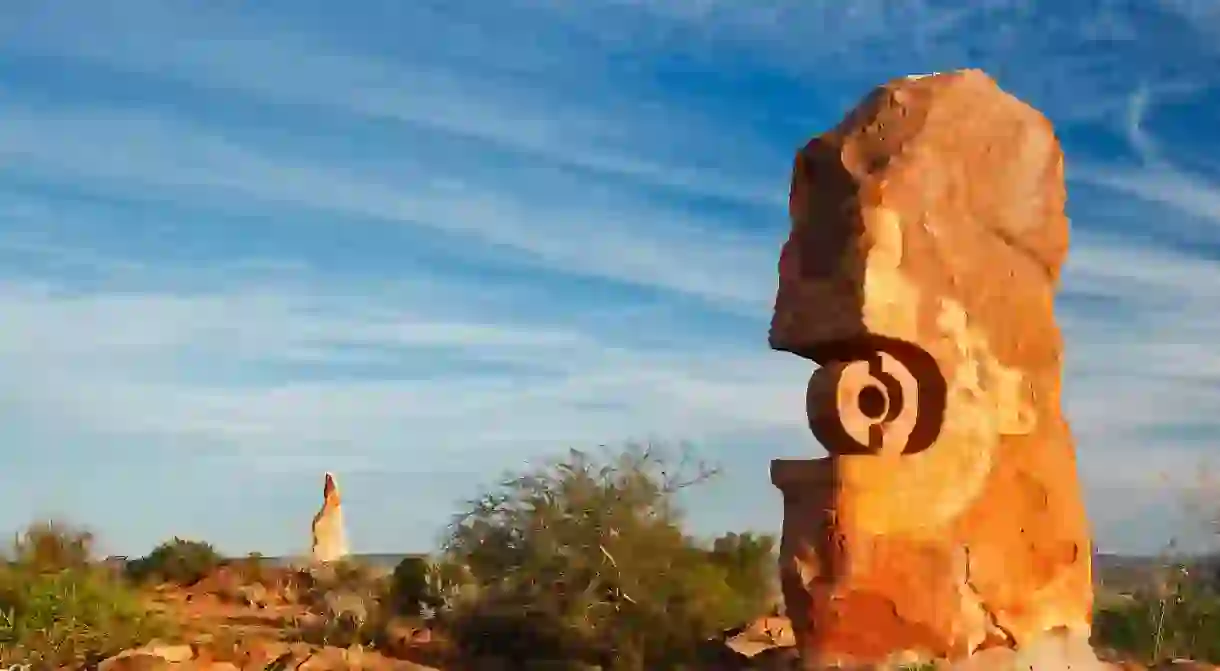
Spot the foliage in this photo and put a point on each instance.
(51, 546)
(584, 560)
(346, 604)
(749, 562)
(60, 609)
(423, 588)
(1179, 618)
(411, 589)
(180, 561)
(253, 567)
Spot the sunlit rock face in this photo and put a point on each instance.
(928, 233)
(329, 536)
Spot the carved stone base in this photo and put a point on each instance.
(856, 597)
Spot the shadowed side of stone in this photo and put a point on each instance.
(930, 220)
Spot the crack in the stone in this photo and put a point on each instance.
(993, 623)
(1010, 239)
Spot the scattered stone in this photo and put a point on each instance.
(255, 595)
(346, 607)
(154, 655)
(1052, 652)
(928, 232)
(260, 654)
(171, 653)
(132, 660)
(761, 635)
(404, 637)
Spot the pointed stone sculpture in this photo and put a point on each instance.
(329, 537)
(928, 232)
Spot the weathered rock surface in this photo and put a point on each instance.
(1051, 652)
(329, 536)
(929, 226)
(257, 657)
(761, 635)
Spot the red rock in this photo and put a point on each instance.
(765, 633)
(930, 225)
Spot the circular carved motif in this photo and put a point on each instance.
(875, 395)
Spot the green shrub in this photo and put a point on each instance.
(50, 546)
(411, 590)
(749, 562)
(59, 609)
(180, 561)
(1180, 618)
(346, 603)
(584, 561)
(253, 567)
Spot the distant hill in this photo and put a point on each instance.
(385, 560)
(1124, 573)
(375, 559)
(1113, 571)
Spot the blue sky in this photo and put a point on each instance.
(417, 243)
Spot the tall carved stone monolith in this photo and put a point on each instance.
(329, 536)
(928, 231)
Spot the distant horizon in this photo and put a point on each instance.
(1197, 554)
(402, 555)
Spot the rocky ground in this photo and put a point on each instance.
(227, 623)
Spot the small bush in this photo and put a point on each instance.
(253, 567)
(422, 588)
(1179, 618)
(584, 561)
(180, 561)
(410, 591)
(346, 602)
(60, 609)
(750, 567)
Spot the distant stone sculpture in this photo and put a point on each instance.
(928, 232)
(329, 536)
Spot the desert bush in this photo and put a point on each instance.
(347, 603)
(346, 574)
(59, 608)
(423, 588)
(749, 562)
(410, 591)
(1178, 614)
(253, 567)
(180, 561)
(1179, 617)
(51, 546)
(584, 560)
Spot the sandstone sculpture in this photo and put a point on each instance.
(329, 537)
(928, 231)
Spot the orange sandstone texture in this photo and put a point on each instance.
(930, 225)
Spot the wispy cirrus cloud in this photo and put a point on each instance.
(1155, 176)
(575, 230)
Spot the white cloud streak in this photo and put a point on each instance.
(266, 64)
(1156, 178)
(167, 366)
(148, 157)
